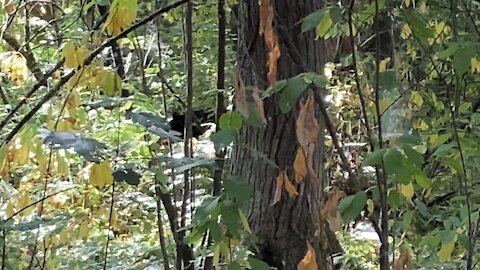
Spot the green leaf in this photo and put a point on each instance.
(461, 59)
(205, 209)
(216, 231)
(236, 187)
(350, 208)
(289, 95)
(422, 179)
(451, 50)
(374, 158)
(232, 120)
(422, 208)
(409, 139)
(253, 117)
(415, 157)
(394, 199)
(256, 264)
(197, 233)
(418, 25)
(392, 160)
(312, 20)
(441, 139)
(320, 80)
(324, 25)
(234, 266)
(279, 85)
(443, 149)
(223, 138)
(231, 217)
(387, 81)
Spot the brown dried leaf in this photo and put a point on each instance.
(404, 261)
(300, 166)
(307, 124)
(309, 262)
(259, 105)
(9, 7)
(278, 189)
(291, 190)
(335, 222)
(330, 206)
(240, 94)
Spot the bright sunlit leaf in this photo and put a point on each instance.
(101, 174)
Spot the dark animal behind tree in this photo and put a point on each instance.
(200, 117)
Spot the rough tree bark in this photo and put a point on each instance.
(283, 229)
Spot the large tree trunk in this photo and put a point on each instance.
(283, 229)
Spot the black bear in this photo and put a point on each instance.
(200, 117)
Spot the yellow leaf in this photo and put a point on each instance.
(244, 220)
(73, 102)
(64, 125)
(24, 201)
(370, 206)
(383, 64)
(62, 165)
(309, 262)
(4, 166)
(416, 98)
(289, 188)
(475, 65)
(446, 250)
(122, 14)
(406, 31)
(111, 83)
(300, 166)
(15, 65)
(101, 174)
(63, 237)
(83, 229)
(216, 256)
(21, 156)
(74, 55)
(407, 190)
(10, 209)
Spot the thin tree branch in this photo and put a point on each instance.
(87, 61)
